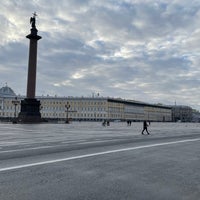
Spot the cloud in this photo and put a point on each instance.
(143, 50)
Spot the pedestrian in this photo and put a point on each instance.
(145, 125)
(129, 123)
(104, 123)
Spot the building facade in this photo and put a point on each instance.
(87, 109)
(182, 113)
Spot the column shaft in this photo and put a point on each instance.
(32, 68)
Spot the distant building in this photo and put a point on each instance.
(195, 116)
(181, 114)
(87, 108)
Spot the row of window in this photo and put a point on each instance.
(73, 103)
(73, 109)
(61, 115)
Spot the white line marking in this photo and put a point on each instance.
(94, 154)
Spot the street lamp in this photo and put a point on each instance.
(15, 102)
(67, 106)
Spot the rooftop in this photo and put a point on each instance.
(7, 92)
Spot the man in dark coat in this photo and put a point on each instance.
(145, 125)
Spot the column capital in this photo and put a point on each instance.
(33, 34)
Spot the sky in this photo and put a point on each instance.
(145, 50)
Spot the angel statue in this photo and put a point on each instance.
(32, 20)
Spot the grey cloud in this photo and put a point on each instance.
(145, 50)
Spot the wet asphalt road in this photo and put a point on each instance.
(88, 162)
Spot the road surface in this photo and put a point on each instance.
(89, 162)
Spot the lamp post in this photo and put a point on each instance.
(15, 102)
(67, 106)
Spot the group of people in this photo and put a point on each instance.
(129, 123)
(105, 123)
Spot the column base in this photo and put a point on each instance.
(30, 111)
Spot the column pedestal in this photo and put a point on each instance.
(30, 111)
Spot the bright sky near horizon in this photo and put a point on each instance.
(142, 50)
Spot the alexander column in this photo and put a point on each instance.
(30, 106)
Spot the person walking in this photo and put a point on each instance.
(145, 125)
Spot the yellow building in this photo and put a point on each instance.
(85, 108)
